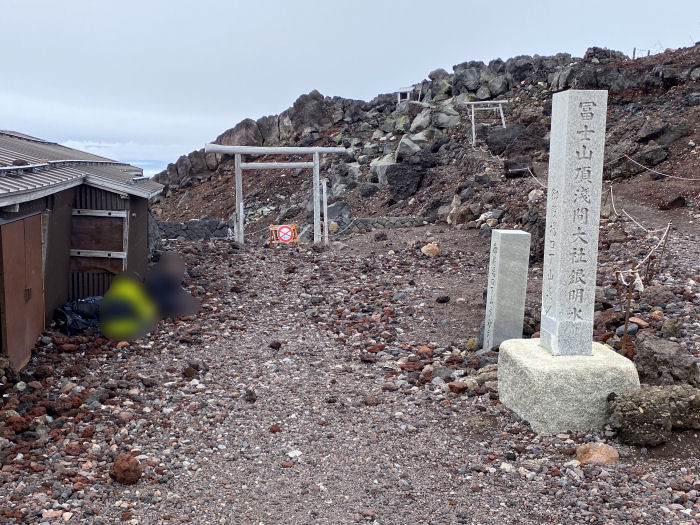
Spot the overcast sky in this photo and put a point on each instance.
(145, 81)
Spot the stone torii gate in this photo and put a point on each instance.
(237, 151)
(485, 105)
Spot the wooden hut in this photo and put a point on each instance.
(69, 222)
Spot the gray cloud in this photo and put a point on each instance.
(148, 81)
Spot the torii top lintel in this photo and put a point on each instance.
(269, 150)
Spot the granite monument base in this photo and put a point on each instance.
(559, 393)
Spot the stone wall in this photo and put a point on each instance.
(195, 230)
(349, 225)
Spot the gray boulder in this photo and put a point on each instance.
(517, 167)
(287, 212)
(651, 129)
(421, 121)
(440, 85)
(371, 148)
(197, 161)
(354, 111)
(388, 125)
(663, 362)
(412, 108)
(183, 166)
(403, 124)
(498, 85)
(603, 55)
(379, 166)
(438, 74)
(403, 181)
(483, 93)
(314, 112)
(338, 209)
(245, 133)
(499, 139)
(353, 170)
(497, 66)
(440, 89)
(211, 161)
(577, 76)
(168, 176)
(269, 129)
(520, 67)
(285, 126)
(648, 416)
(367, 189)
(444, 116)
(649, 156)
(517, 139)
(466, 80)
(671, 133)
(406, 148)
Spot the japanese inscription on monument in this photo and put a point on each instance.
(573, 212)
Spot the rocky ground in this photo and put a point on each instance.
(336, 386)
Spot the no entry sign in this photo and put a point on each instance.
(285, 234)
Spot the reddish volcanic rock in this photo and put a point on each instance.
(126, 469)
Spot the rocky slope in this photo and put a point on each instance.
(416, 158)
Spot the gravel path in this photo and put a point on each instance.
(313, 388)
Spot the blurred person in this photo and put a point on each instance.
(164, 286)
(127, 312)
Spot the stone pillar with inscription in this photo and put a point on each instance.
(562, 381)
(573, 214)
(505, 300)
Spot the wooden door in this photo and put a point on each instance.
(22, 297)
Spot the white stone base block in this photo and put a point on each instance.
(559, 393)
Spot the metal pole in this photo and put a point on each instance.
(503, 119)
(473, 129)
(241, 220)
(634, 52)
(325, 213)
(239, 195)
(275, 165)
(317, 198)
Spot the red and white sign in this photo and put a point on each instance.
(285, 234)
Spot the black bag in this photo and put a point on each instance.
(76, 316)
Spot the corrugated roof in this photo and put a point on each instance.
(45, 174)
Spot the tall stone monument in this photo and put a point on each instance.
(573, 214)
(562, 380)
(505, 299)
